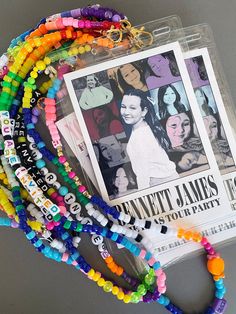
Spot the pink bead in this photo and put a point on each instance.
(158, 272)
(51, 116)
(59, 198)
(55, 137)
(81, 24)
(70, 21)
(71, 174)
(64, 257)
(59, 23)
(61, 204)
(50, 101)
(81, 188)
(162, 289)
(204, 241)
(62, 210)
(152, 261)
(50, 109)
(162, 277)
(74, 263)
(14, 224)
(75, 23)
(207, 246)
(142, 254)
(62, 159)
(161, 284)
(212, 251)
(56, 223)
(87, 24)
(50, 226)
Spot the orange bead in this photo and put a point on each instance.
(119, 271)
(180, 233)
(216, 266)
(197, 237)
(188, 235)
(43, 29)
(109, 259)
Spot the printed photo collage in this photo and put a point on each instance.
(210, 113)
(141, 126)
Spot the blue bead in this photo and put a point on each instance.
(30, 126)
(30, 235)
(41, 144)
(148, 256)
(63, 190)
(114, 236)
(156, 265)
(40, 163)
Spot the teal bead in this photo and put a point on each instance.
(63, 190)
(40, 145)
(40, 163)
(30, 235)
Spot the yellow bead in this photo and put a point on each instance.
(41, 65)
(47, 60)
(81, 50)
(180, 233)
(91, 273)
(50, 191)
(34, 74)
(87, 48)
(120, 295)
(127, 298)
(101, 282)
(23, 193)
(5, 181)
(115, 290)
(96, 276)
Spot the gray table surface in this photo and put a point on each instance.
(31, 284)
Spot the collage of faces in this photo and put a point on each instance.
(140, 124)
(210, 114)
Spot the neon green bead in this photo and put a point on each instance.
(108, 286)
(141, 290)
(149, 279)
(135, 297)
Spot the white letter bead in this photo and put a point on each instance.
(75, 208)
(50, 178)
(69, 198)
(86, 221)
(14, 160)
(8, 144)
(44, 171)
(20, 172)
(79, 217)
(36, 154)
(97, 239)
(101, 247)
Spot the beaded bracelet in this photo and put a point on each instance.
(20, 175)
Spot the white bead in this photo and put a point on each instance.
(87, 221)
(134, 234)
(104, 221)
(121, 217)
(101, 247)
(69, 198)
(56, 185)
(44, 171)
(33, 146)
(50, 178)
(30, 139)
(142, 223)
(144, 241)
(171, 231)
(100, 217)
(126, 218)
(79, 217)
(97, 239)
(96, 214)
(105, 254)
(91, 211)
(36, 154)
(75, 208)
(129, 233)
(89, 206)
(77, 239)
(114, 228)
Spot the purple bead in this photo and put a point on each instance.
(116, 18)
(75, 13)
(147, 297)
(36, 112)
(34, 119)
(219, 305)
(108, 15)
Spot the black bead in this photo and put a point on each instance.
(132, 221)
(164, 229)
(147, 224)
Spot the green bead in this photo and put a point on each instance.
(151, 272)
(79, 227)
(135, 297)
(149, 279)
(141, 290)
(108, 286)
(57, 217)
(67, 224)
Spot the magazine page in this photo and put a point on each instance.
(128, 109)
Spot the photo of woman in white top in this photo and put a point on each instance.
(94, 94)
(148, 141)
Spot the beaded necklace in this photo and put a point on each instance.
(15, 77)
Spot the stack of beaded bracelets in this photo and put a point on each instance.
(29, 57)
